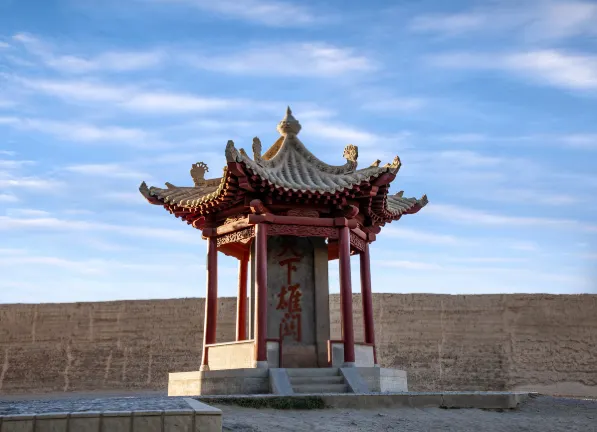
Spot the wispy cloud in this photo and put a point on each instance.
(479, 217)
(450, 24)
(29, 182)
(393, 105)
(134, 98)
(8, 198)
(306, 59)
(107, 170)
(340, 132)
(125, 197)
(75, 225)
(579, 141)
(266, 12)
(418, 236)
(27, 212)
(81, 132)
(535, 19)
(549, 67)
(110, 61)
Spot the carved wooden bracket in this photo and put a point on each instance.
(236, 237)
(303, 231)
(357, 242)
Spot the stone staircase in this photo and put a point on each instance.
(320, 380)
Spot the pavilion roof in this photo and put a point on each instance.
(287, 169)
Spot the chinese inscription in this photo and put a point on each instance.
(289, 298)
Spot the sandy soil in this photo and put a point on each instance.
(539, 414)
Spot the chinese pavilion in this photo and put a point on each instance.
(284, 214)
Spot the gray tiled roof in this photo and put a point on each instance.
(295, 168)
(288, 165)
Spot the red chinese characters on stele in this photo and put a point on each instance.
(289, 298)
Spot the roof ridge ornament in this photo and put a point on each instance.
(289, 126)
(395, 165)
(351, 154)
(198, 171)
(256, 149)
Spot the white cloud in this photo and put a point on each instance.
(8, 198)
(125, 197)
(393, 105)
(13, 164)
(299, 59)
(82, 132)
(418, 236)
(532, 196)
(579, 141)
(36, 183)
(121, 61)
(175, 103)
(4, 45)
(184, 235)
(555, 68)
(107, 170)
(91, 91)
(479, 217)
(267, 12)
(136, 99)
(26, 212)
(410, 265)
(536, 20)
(449, 23)
(339, 132)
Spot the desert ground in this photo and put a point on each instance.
(540, 414)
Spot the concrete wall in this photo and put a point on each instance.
(489, 342)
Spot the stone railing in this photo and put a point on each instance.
(231, 355)
(363, 354)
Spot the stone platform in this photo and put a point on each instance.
(448, 400)
(287, 381)
(118, 414)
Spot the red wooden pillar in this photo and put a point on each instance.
(346, 295)
(261, 294)
(241, 303)
(211, 299)
(367, 299)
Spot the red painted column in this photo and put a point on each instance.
(211, 299)
(367, 299)
(261, 294)
(346, 295)
(241, 303)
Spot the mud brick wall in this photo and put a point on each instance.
(478, 342)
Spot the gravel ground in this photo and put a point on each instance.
(540, 414)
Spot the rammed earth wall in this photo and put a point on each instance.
(477, 342)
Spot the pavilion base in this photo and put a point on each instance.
(283, 381)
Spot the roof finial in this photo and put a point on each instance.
(289, 125)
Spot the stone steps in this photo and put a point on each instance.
(317, 380)
(320, 388)
(336, 379)
(312, 372)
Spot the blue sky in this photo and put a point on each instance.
(491, 106)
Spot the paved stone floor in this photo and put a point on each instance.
(540, 414)
(86, 403)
